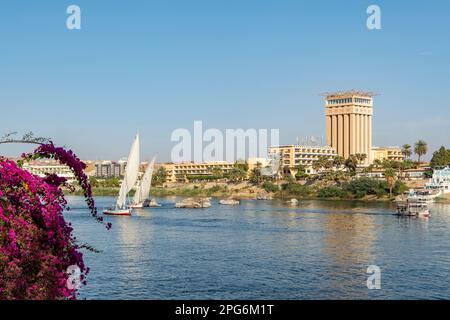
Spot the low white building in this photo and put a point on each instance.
(41, 169)
(440, 180)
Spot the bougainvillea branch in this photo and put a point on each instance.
(37, 246)
(68, 158)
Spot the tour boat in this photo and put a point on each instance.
(130, 177)
(140, 199)
(412, 207)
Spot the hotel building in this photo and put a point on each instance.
(349, 123)
(294, 155)
(109, 169)
(42, 168)
(177, 172)
(389, 153)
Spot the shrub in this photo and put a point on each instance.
(36, 243)
(270, 187)
(332, 192)
(295, 189)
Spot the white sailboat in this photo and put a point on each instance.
(140, 198)
(129, 180)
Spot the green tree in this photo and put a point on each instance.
(441, 158)
(160, 176)
(338, 161)
(237, 174)
(255, 176)
(301, 172)
(351, 163)
(93, 182)
(322, 162)
(389, 175)
(420, 148)
(377, 163)
(406, 150)
(361, 157)
(217, 172)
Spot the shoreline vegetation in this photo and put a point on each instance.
(336, 179)
(364, 189)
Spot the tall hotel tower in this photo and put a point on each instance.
(349, 122)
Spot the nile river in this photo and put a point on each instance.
(265, 250)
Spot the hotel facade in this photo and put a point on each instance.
(45, 167)
(348, 117)
(349, 123)
(293, 156)
(178, 172)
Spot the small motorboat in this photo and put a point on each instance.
(229, 202)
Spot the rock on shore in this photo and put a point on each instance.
(191, 203)
(263, 195)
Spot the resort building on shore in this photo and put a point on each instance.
(440, 181)
(45, 167)
(349, 122)
(177, 172)
(294, 155)
(389, 153)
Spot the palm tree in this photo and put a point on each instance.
(389, 174)
(377, 163)
(420, 148)
(361, 157)
(351, 163)
(406, 150)
(338, 161)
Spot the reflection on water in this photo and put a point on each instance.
(265, 250)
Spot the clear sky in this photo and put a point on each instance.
(155, 66)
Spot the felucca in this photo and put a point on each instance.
(130, 177)
(140, 199)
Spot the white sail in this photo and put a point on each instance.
(143, 192)
(131, 173)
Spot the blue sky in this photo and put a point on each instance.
(155, 66)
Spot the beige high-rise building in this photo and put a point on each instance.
(349, 123)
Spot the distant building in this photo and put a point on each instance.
(179, 171)
(440, 181)
(110, 169)
(389, 153)
(294, 155)
(348, 117)
(45, 167)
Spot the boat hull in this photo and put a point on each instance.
(137, 206)
(125, 212)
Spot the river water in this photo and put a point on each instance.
(265, 250)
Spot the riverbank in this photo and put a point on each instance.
(445, 198)
(360, 189)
